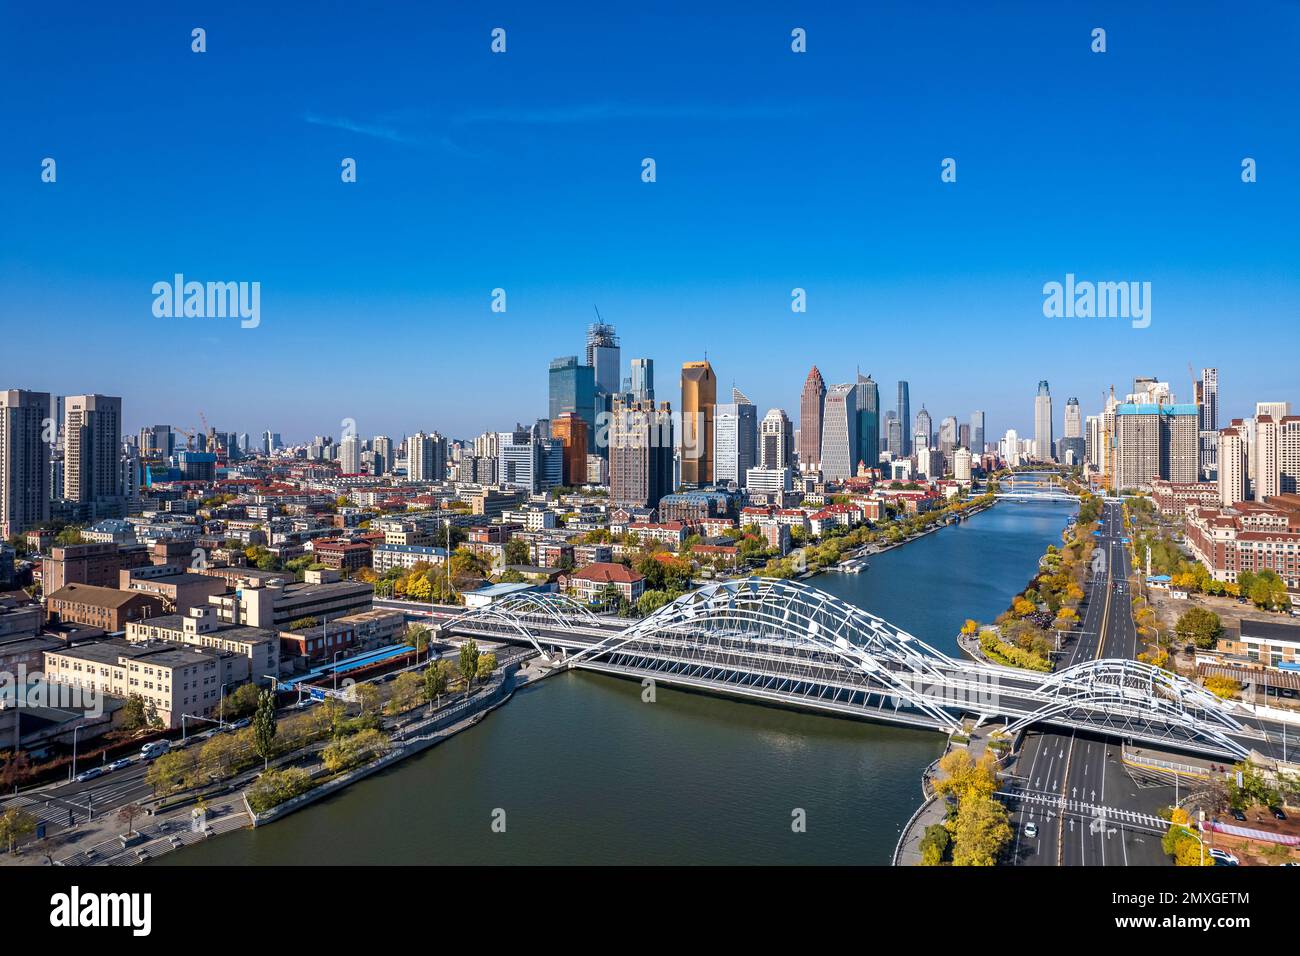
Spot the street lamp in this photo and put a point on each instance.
(334, 665)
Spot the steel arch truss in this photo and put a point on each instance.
(531, 611)
(769, 637)
(1131, 698)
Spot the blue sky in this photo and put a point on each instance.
(522, 171)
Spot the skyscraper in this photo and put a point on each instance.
(603, 357)
(839, 454)
(93, 442)
(1155, 441)
(641, 443)
(1209, 402)
(571, 430)
(948, 437)
(904, 416)
(24, 461)
(1043, 422)
(572, 388)
(977, 433)
(426, 457)
(812, 404)
(1073, 418)
(643, 379)
(699, 396)
(735, 438)
(924, 426)
(350, 455)
(382, 462)
(868, 421)
(776, 441)
(1268, 471)
(1231, 456)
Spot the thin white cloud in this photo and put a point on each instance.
(363, 129)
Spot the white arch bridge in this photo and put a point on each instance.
(786, 643)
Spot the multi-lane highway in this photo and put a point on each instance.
(1087, 769)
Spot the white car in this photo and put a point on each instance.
(1031, 830)
(90, 774)
(1224, 858)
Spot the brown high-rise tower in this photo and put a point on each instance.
(812, 407)
(699, 395)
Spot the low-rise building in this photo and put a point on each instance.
(405, 556)
(173, 678)
(201, 628)
(589, 584)
(106, 608)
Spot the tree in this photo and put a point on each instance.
(367, 698)
(133, 718)
(437, 676)
(417, 636)
(980, 832)
(468, 664)
(15, 823)
(127, 815)
(1224, 687)
(964, 778)
(241, 702)
(173, 771)
(1200, 626)
(517, 552)
(487, 663)
(357, 749)
(264, 727)
(935, 844)
(406, 692)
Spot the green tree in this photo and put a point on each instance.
(437, 677)
(1200, 626)
(173, 771)
(487, 663)
(468, 664)
(517, 551)
(133, 717)
(264, 727)
(406, 692)
(935, 844)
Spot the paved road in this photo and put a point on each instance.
(1085, 767)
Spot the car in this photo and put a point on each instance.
(90, 774)
(1224, 858)
(1277, 813)
(1238, 815)
(241, 723)
(1031, 829)
(120, 764)
(155, 748)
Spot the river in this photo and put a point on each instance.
(582, 771)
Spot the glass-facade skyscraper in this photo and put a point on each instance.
(572, 388)
(904, 417)
(868, 395)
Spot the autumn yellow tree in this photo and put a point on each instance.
(964, 778)
(980, 832)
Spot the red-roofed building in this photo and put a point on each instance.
(588, 584)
